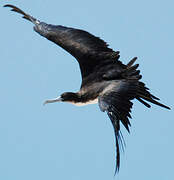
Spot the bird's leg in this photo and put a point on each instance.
(58, 99)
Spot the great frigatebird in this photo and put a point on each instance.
(105, 79)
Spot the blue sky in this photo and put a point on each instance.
(61, 141)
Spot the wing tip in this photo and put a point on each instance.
(7, 5)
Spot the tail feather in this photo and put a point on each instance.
(142, 91)
(153, 101)
(25, 16)
(143, 102)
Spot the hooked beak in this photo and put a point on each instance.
(58, 99)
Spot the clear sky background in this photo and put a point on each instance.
(61, 141)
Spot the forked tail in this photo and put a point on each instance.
(143, 93)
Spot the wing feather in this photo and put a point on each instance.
(89, 50)
(117, 103)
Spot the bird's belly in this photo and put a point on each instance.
(94, 101)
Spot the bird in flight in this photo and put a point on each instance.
(105, 79)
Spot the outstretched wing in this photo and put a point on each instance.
(89, 50)
(116, 102)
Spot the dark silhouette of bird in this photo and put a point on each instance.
(105, 79)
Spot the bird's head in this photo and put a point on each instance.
(65, 97)
(68, 97)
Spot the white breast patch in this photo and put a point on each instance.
(86, 103)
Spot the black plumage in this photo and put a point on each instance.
(104, 78)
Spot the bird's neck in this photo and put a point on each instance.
(81, 99)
